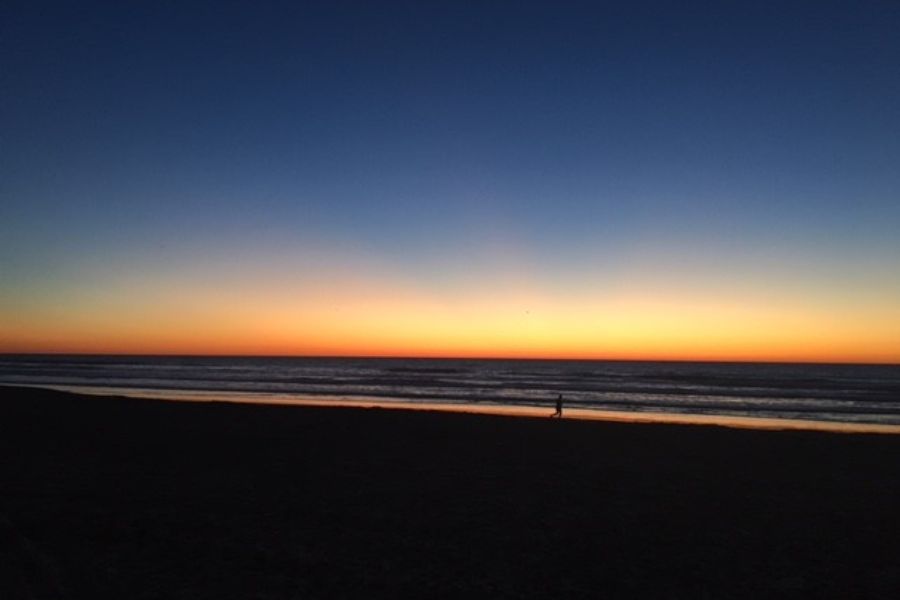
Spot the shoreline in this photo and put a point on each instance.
(582, 414)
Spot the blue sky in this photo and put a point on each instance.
(579, 139)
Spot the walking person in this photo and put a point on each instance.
(559, 407)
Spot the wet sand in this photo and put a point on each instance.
(133, 498)
(487, 408)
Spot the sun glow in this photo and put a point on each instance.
(356, 315)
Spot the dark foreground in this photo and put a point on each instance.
(118, 498)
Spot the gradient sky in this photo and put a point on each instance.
(718, 180)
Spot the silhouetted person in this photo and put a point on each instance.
(559, 403)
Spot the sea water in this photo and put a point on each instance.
(817, 392)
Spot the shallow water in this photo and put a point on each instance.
(829, 393)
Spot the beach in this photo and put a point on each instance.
(109, 497)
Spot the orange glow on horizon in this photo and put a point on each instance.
(370, 318)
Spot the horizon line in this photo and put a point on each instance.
(459, 358)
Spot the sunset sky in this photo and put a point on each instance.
(500, 179)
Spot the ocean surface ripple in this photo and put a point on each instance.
(842, 393)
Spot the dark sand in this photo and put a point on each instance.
(127, 499)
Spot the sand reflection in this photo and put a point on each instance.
(571, 413)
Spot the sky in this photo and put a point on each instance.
(635, 180)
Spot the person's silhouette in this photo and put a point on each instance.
(559, 407)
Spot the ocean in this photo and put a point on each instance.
(815, 392)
